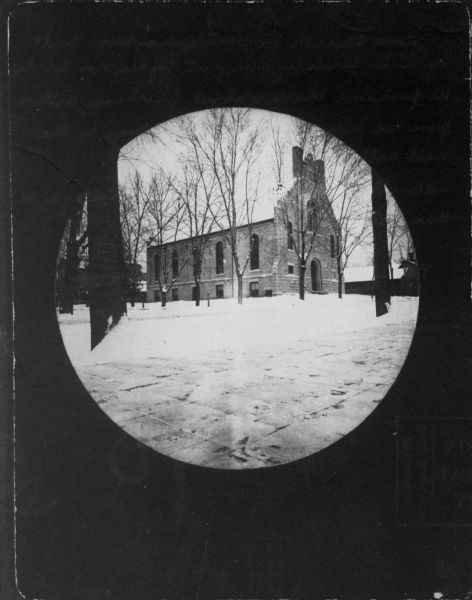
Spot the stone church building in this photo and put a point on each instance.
(302, 211)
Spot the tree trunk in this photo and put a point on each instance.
(163, 299)
(302, 280)
(240, 288)
(106, 263)
(72, 259)
(197, 272)
(67, 301)
(340, 277)
(70, 273)
(381, 258)
(67, 297)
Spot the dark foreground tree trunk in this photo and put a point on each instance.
(381, 258)
(340, 278)
(107, 274)
(302, 280)
(163, 299)
(197, 291)
(240, 288)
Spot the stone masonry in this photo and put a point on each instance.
(302, 208)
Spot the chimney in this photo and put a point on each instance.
(297, 161)
(319, 176)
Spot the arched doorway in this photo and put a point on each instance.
(315, 276)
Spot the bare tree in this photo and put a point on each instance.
(225, 146)
(354, 229)
(305, 211)
(336, 196)
(133, 153)
(166, 213)
(279, 147)
(134, 203)
(400, 243)
(354, 225)
(71, 255)
(196, 192)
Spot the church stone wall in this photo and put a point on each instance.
(288, 209)
(263, 276)
(278, 271)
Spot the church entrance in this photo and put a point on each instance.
(315, 276)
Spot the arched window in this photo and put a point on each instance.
(332, 245)
(255, 252)
(316, 278)
(175, 264)
(220, 265)
(289, 236)
(311, 219)
(157, 267)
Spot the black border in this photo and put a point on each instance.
(319, 527)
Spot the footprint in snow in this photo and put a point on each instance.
(222, 449)
(240, 458)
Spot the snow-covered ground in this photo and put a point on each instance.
(231, 386)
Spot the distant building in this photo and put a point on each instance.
(360, 280)
(273, 266)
